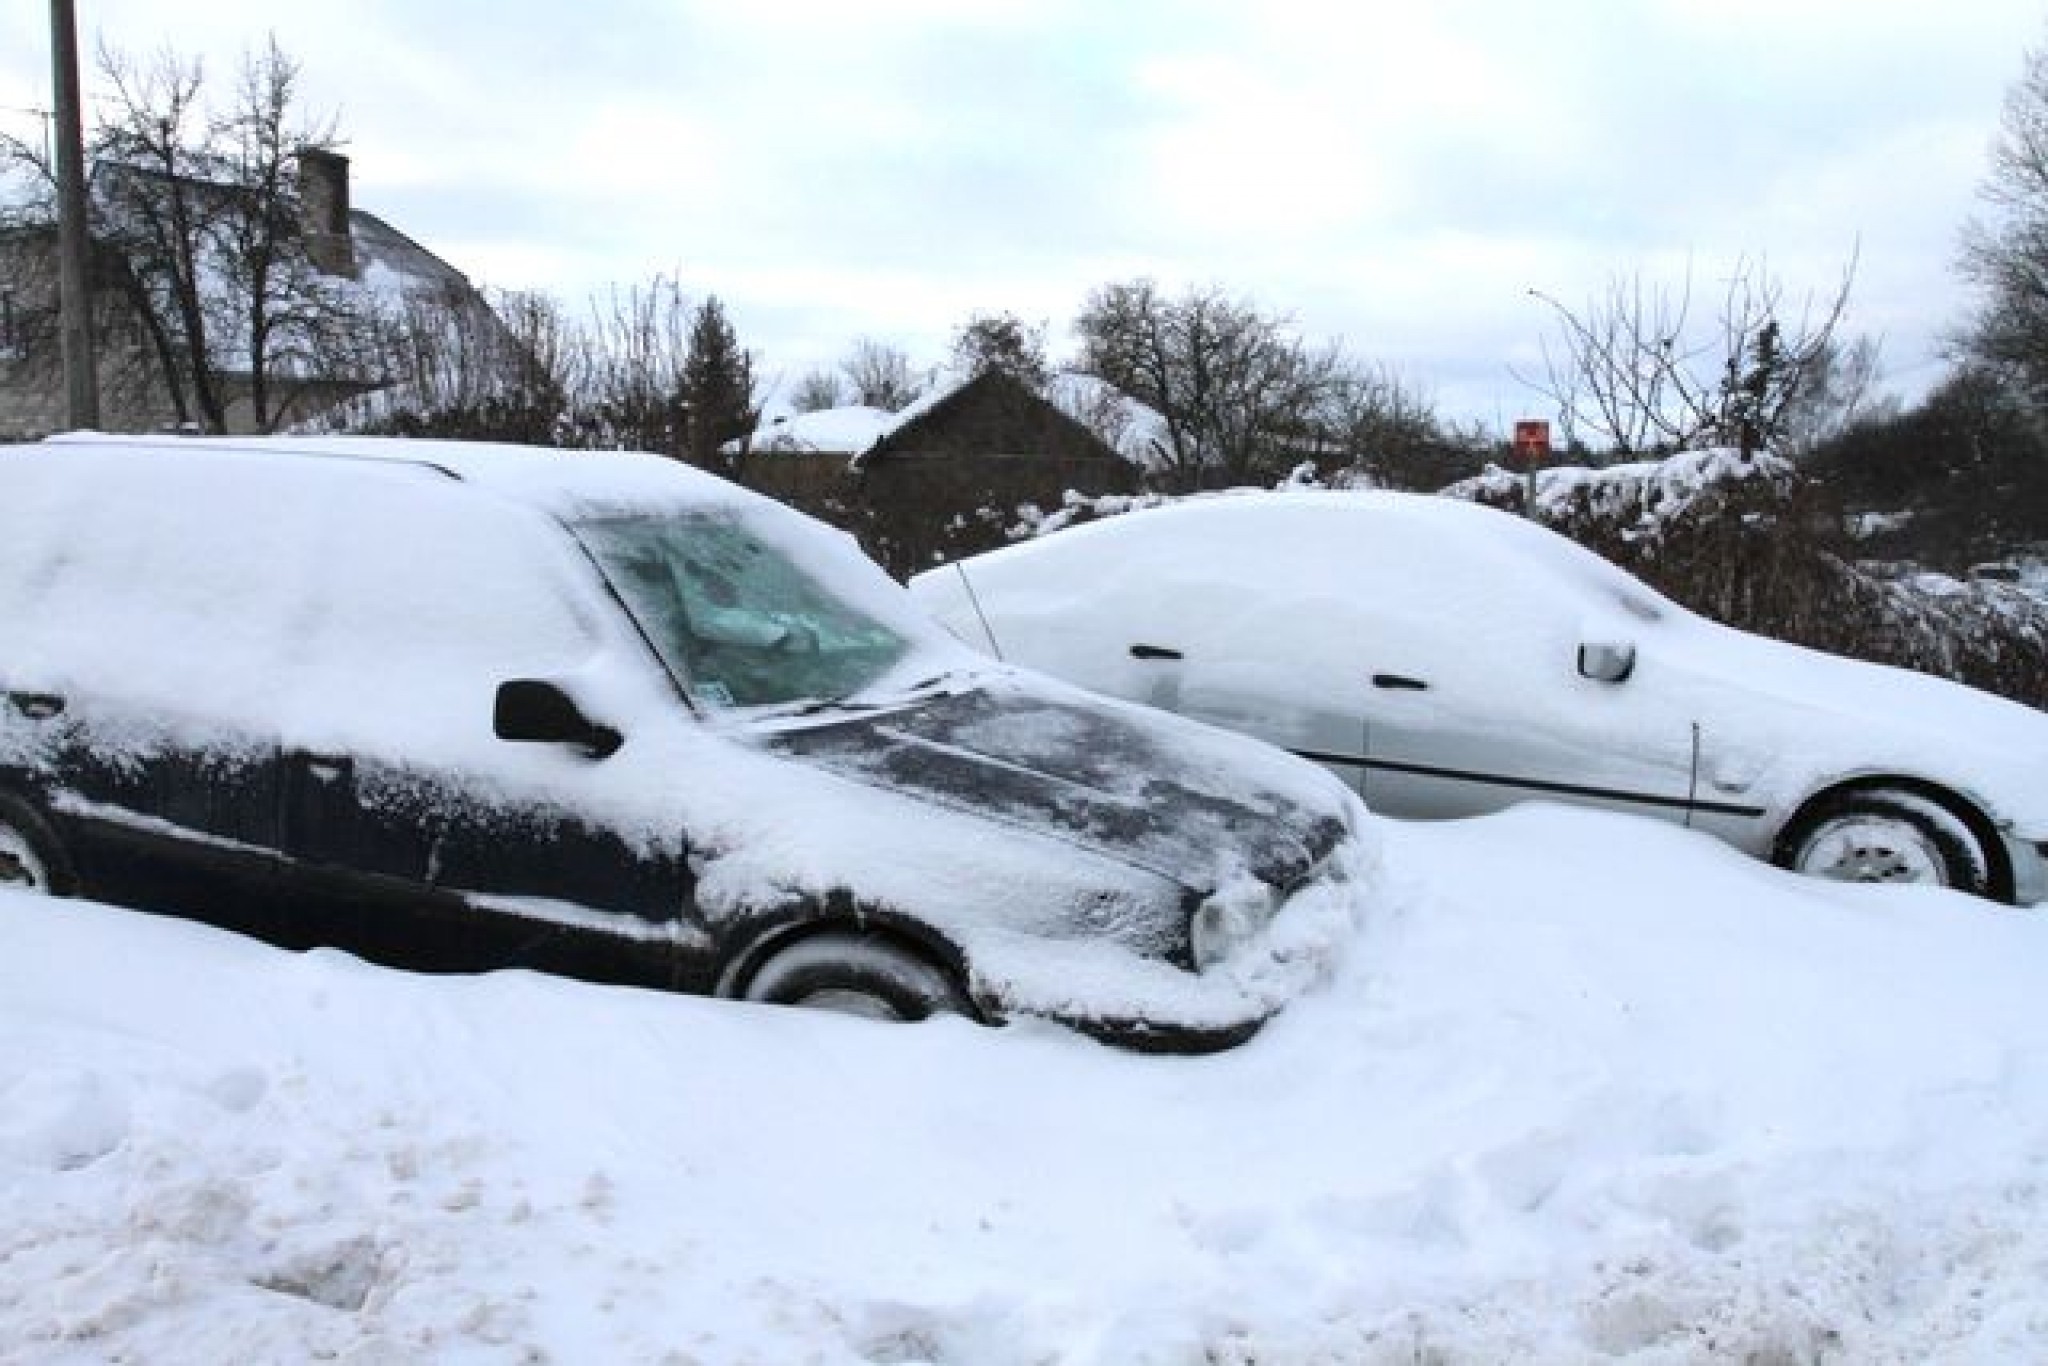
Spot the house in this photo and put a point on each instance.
(944, 478)
(375, 283)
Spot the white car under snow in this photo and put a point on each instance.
(1450, 659)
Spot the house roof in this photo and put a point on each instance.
(1024, 404)
(858, 432)
(389, 261)
(391, 267)
(830, 431)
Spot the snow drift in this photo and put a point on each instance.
(1585, 1088)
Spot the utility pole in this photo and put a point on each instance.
(74, 295)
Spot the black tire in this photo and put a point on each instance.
(1888, 834)
(31, 858)
(856, 974)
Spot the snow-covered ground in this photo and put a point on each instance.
(1583, 1088)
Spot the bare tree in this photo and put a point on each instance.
(1839, 391)
(639, 341)
(1239, 396)
(550, 351)
(881, 376)
(291, 321)
(1387, 430)
(817, 391)
(1632, 369)
(1005, 342)
(509, 372)
(2005, 255)
(198, 229)
(155, 211)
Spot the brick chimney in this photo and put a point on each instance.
(323, 199)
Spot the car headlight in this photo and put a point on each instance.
(1229, 917)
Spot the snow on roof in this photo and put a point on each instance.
(1134, 431)
(830, 431)
(852, 430)
(393, 267)
(393, 272)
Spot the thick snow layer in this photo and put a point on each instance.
(1319, 590)
(1585, 1089)
(116, 558)
(842, 431)
(1663, 489)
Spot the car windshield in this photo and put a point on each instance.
(732, 616)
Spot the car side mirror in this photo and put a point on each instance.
(537, 711)
(1607, 661)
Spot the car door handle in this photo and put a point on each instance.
(1399, 682)
(1155, 652)
(326, 769)
(36, 706)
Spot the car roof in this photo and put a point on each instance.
(566, 483)
(1454, 528)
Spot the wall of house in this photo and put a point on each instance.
(32, 390)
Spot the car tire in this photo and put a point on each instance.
(31, 859)
(856, 974)
(1888, 835)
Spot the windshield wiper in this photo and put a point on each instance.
(894, 697)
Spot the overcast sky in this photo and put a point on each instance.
(1397, 176)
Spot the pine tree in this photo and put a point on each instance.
(718, 388)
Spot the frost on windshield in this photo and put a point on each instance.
(731, 616)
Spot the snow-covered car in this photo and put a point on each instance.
(1450, 659)
(468, 706)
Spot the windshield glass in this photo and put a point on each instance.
(732, 616)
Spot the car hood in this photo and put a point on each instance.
(1184, 801)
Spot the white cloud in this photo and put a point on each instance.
(1398, 175)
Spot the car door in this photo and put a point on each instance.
(130, 710)
(414, 831)
(1232, 639)
(487, 860)
(1485, 678)
(1444, 741)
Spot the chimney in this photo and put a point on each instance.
(323, 200)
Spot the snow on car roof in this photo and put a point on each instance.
(1441, 559)
(562, 482)
(1257, 520)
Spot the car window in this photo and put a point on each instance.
(734, 618)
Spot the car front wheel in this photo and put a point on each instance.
(856, 975)
(30, 858)
(1888, 835)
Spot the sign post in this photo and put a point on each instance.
(1532, 447)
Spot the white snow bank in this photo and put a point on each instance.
(1588, 1089)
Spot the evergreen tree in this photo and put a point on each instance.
(717, 389)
